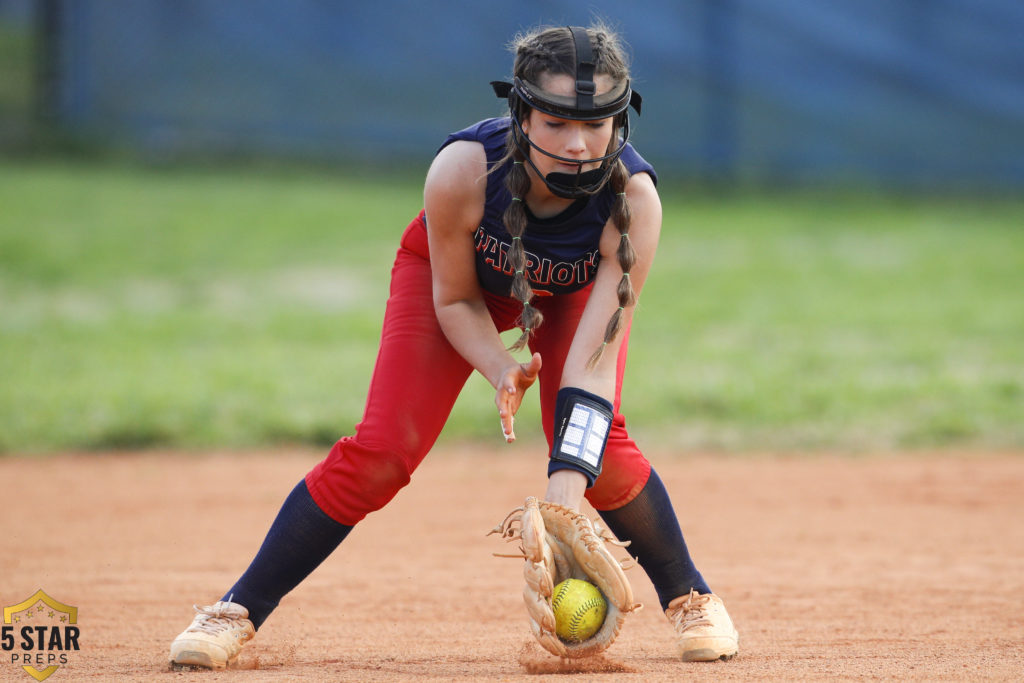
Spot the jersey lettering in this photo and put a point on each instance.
(544, 274)
(492, 252)
(561, 252)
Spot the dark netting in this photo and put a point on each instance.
(913, 93)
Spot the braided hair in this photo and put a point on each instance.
(552, 51)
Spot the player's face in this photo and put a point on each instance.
(565, 137)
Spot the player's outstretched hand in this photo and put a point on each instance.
(511, 388)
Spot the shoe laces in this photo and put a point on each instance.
(214, 619)
(691, 613)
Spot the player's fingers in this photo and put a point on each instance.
(508, 428)
(507, 415)
(507, 406)
(506, 397)
(533, 367)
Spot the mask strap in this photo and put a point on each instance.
(585, 87)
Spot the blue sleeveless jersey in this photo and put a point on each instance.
(562, 251)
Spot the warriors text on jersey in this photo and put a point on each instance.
(562, 251)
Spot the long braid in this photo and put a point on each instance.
(626, 254)
(533, 57)
(518, 184)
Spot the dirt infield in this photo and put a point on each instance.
(833, 568)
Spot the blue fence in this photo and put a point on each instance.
(926, 93)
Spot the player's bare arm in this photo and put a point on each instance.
(454, 201)
(644, 233)
(566, 487)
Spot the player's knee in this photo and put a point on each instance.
(358, 478)
(380, 482)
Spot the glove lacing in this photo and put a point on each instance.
(511, 530)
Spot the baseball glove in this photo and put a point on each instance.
(557, 544)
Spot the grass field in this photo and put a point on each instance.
(225, 308)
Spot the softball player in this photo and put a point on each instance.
(548, 220)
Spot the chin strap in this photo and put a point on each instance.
(577, 185)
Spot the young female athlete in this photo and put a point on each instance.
(546, 219)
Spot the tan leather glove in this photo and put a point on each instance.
(557, 544)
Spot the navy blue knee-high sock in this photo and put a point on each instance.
(300, 539)
(657, 541)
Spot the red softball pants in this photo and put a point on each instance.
(417, 378)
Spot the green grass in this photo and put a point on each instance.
(854, 322)
(205, 308)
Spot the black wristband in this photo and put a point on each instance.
(582, 423)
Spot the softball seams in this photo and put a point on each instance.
(580, 613)
(556, 599)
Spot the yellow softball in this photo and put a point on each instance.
(579, 610)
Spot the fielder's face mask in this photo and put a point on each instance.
(584, 105)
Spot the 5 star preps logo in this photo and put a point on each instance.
(38, 634)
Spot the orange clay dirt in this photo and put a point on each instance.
(833, 568)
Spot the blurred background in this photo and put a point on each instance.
(200, 200)
(917, 93)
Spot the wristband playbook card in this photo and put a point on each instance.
(582, 423)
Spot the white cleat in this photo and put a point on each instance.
(704, 630)
(214, 639)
